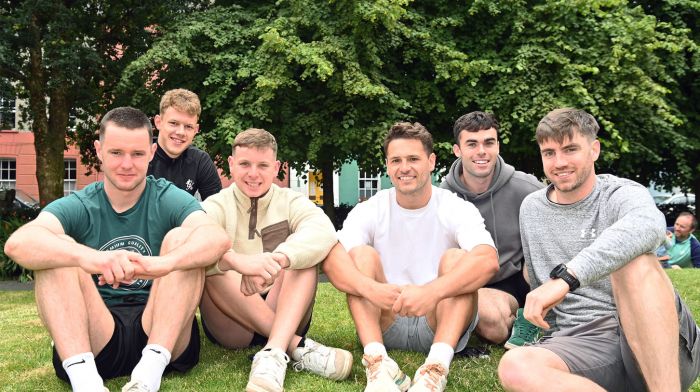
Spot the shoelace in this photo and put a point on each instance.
(309, 360)
(373, 364)
(527, 329)
(430, 375)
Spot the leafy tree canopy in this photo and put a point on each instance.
(328, 78)
(65, 57)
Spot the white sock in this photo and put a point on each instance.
(149, 370)
(376, 348)
(441, 352)
(82, 373)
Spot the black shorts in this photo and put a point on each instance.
(514, 285)
(258, 340)
(123, 351)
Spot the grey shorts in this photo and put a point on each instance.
(414, 334)
(599, 351)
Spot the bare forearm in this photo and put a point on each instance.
(342, 273)
(37, 248)
(204, 246)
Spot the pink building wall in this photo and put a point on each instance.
(20, 146)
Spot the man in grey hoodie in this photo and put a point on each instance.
(480, 176)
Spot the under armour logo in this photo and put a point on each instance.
(189, 184)
(588, 233)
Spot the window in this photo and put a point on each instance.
(7, 113)
(69, 176)
(369, 185)
(8, 173)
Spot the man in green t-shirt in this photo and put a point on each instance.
(682, 249)
(119, 266)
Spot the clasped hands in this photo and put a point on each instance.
(407, 300)
(258, 271)
(121, 266)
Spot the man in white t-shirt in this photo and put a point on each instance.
(411, 260)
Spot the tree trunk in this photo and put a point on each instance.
(328, 198)
(49, 139)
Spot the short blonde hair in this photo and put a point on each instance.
(182, 100)
(255, 137)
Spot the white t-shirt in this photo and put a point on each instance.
(411, 242)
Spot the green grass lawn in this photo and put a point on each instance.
(25, 355)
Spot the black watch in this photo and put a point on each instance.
(560, 271)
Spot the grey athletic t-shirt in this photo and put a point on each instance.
(594, 237)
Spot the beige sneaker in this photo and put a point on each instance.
(329, 362)
(383, 374)
(431, 377)
(268, 371)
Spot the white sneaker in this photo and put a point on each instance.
(136, 386)
(431, 377)
(268, 370)
(383, 374)
(329, 362)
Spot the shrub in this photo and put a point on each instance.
(341, 212)
(8, 268)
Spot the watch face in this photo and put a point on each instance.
(557, 271)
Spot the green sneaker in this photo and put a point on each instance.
(523, 332)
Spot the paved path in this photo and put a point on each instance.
(12, 285)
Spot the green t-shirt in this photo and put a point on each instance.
(680, 252)
(88, 217)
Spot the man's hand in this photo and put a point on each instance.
(383, 295)
(114, 266)
(152, 267)
(251, 284)
(415, 301)
(263, 265)
(542, 299)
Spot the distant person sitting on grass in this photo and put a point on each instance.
(611, 317)
(411, 260)
(262, 290)
(682, 249)
(94, 254)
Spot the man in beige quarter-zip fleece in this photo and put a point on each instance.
(261, 292)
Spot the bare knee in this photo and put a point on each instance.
(641, 269)
(364, 257)
(450, 259)
(174, 238)
(493, 327)
(515, 369)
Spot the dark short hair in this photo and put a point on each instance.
(475, 122)
(560, 124)
(694, 220)
(126, 117)
(406, 130)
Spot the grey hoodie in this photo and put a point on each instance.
(500, 208)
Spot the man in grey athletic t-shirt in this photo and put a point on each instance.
(611, 318)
